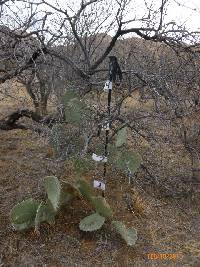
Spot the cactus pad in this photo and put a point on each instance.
(45, 213)
(121, 137)
(53, 190)
(91, 223)
(23, 214)
(68, 192)
(128, 159)
(85, 189)
(128, 234)
(101, 206)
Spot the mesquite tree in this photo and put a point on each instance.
(160, 60)
(82, 30)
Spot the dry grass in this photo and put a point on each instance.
(164, 224)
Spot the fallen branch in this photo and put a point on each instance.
(10, 122)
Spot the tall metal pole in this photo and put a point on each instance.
(108, 123)
(114, 74)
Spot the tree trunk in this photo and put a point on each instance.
(40, 108)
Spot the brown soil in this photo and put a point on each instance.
(165, 225)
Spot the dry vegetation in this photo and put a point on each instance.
(165, 224)
(50, 47)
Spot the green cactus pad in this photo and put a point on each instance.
(68, 192)
(23, 226)
(91, 223)
(23, 214)
(40, 216)
(128, 234)
(76, 111)
(101, 206)
(68, 96)
(121, 137)
(53, 190)
(128, 159)
(85, 189)
(45, 213)
(49, 212)
(73, 110)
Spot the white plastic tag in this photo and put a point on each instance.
(99, 158)
(106, 126)
(107, 86)
(99, 184)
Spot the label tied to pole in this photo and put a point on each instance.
(99, 158)
(106, 126)
(99, 185)
(107, 86)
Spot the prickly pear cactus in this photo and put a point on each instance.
(68, 192)
(49, 212)
(23, 214)
(127, 159)
(101, 206)
(53, 189)
(91, 223)
(85, 189)
(45, 213)
(69, 95)
(75, 110)
(128, 234)
(121, 137)
(39, 218)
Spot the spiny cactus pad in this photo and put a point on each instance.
(23, 214)
(128, 234)
(121, 137)
(40, 215)
(85, 189)
(53, 189)
(101, 206)
(68, 192)
(128, 159)
(69, 95)
(45, 213)
(76, 111)
(91, 223)
(49, 212)
(23, 226)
